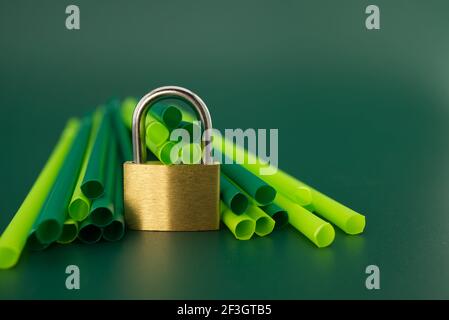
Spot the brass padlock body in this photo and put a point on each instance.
(172, 198)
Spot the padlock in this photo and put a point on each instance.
(178, 197)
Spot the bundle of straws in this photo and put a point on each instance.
(79, 192)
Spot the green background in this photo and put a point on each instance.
(362, 116)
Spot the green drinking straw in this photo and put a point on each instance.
(169, 115)
(320, 232)
(343, 217)
(94, 179)
(69, 231)
(34, 244)
(291, 187)
(16, 233)
(54, 212)
(115, 230)
(264, 223)
(241, 226)
(89, 233)
(279, 215)
(191, 153)
(156, 133)
(122, 135)
(102, 211)
(127, 110)
(79, 205)
(232, 196)
(258, 189)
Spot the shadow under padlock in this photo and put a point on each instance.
(184, 197)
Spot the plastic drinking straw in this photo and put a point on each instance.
(169, 115)
(69, 231)
(127, 110)
(156, 133)
(54, 212)
(264, 223)
(89, 233)
(241, 226)
(33, 242)
(345, 218)
(193, 129)
(258, 189)
(279, 215)
(320, 232)
(102, 210)
(115, 230)
(191, 153)
(294, 189)
(16, 233)
(79, 205)
(232, 196)
(93, 181)
(122, 134)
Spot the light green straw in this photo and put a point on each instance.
(264, 223)
(156, 134)
(241, 226)
(122, 134)
(79, 205)
(69, 231)
(343, 217)
(320, 232)
(16, 233)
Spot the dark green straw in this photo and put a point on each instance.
(169, 115)
(279, 215)
(232, 196)
(116, 229)
(94, 179)
(51, 219)
(122, 134)
(259, 190)
(33, 242)
(102, 210)
(89, 233)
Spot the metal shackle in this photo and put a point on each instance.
(147, 101)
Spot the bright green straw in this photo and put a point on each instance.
(320, 232)
(241, 226)
(54, 212)
(258, 189)
(16, 233)
(292, 188)
(156, 134)
(264, 223)
(102, 210)
(169, 115)
(345, 218)
(232, 196)
(89, 233)
(277, 213)
(122, 134)
(116, 229)
(127, 111)
(79, 205)
(69, 231)
(94, 178)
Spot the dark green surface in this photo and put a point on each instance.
(362, 116)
